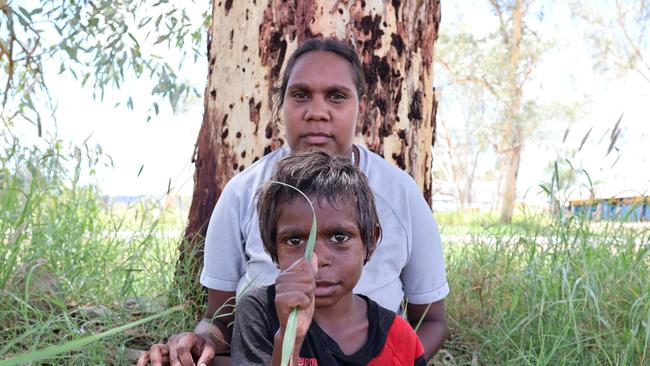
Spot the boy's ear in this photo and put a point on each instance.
(376, 237)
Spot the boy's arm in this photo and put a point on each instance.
(433, 328)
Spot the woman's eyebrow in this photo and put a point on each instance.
(333, 87)
(340, 88)
(298, 86)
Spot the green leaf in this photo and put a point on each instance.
(144, 22)
(79, 343)
(290, 333)
(25, 13)
(135, 41)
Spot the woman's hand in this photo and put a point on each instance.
(294, 288)
(181, 349)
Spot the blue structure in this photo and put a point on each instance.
(623, 208)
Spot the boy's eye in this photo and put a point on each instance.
(340, 237)
(294, 241)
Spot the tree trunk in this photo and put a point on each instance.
(249, 43)
(513, 135)
(510, 191)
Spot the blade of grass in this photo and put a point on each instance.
(78, 343)
(292, 324)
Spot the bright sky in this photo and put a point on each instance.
(163, 147)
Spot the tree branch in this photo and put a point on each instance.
(637, 52)
(469, 78)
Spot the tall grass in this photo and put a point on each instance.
(555, 294)
(543, 291)
(72, 264)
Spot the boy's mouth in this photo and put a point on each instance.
(325, 288)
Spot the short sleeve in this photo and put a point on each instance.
(223, 259)
(424, 278)
(252, 339)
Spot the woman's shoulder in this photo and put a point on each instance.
(384, 177)
(249, 179)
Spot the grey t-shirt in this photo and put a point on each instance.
(408, 262)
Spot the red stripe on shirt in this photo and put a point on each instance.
(402, 346)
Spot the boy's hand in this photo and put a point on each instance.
(294, 288)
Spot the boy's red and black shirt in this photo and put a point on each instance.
(391, 340)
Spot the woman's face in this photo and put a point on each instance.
(321, 104)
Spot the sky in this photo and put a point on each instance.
(149, 156)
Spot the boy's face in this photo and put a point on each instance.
(338, 246)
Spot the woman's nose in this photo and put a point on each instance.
(317, 110)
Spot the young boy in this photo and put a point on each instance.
(335, 326)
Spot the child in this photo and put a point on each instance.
(335, 326)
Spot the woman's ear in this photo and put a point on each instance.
(362, 111)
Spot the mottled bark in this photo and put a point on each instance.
(249, 44)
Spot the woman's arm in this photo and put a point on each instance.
(433, 325)
(217, 316)
(210, 337)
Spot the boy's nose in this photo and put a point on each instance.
(324, 253)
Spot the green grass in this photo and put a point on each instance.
(73, 266)
(539, 292)
(558, 294)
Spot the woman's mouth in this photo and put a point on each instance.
(316, 138)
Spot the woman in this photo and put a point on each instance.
(321, 97)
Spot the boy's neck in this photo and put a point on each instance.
(346, 322)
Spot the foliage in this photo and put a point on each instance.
(99, 43)
(73, 265)
(618, 33)
(490, 107)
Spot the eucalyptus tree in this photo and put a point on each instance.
(248, 45)
(618, 33)
(99, 43)
(501, 63)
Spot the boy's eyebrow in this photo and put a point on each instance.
(292, 230)
(340, 226)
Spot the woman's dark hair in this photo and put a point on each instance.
(322, 44)
(320, 176)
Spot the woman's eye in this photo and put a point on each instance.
(337, 97)
(300, 96)
(340, 237)
(294, 241)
